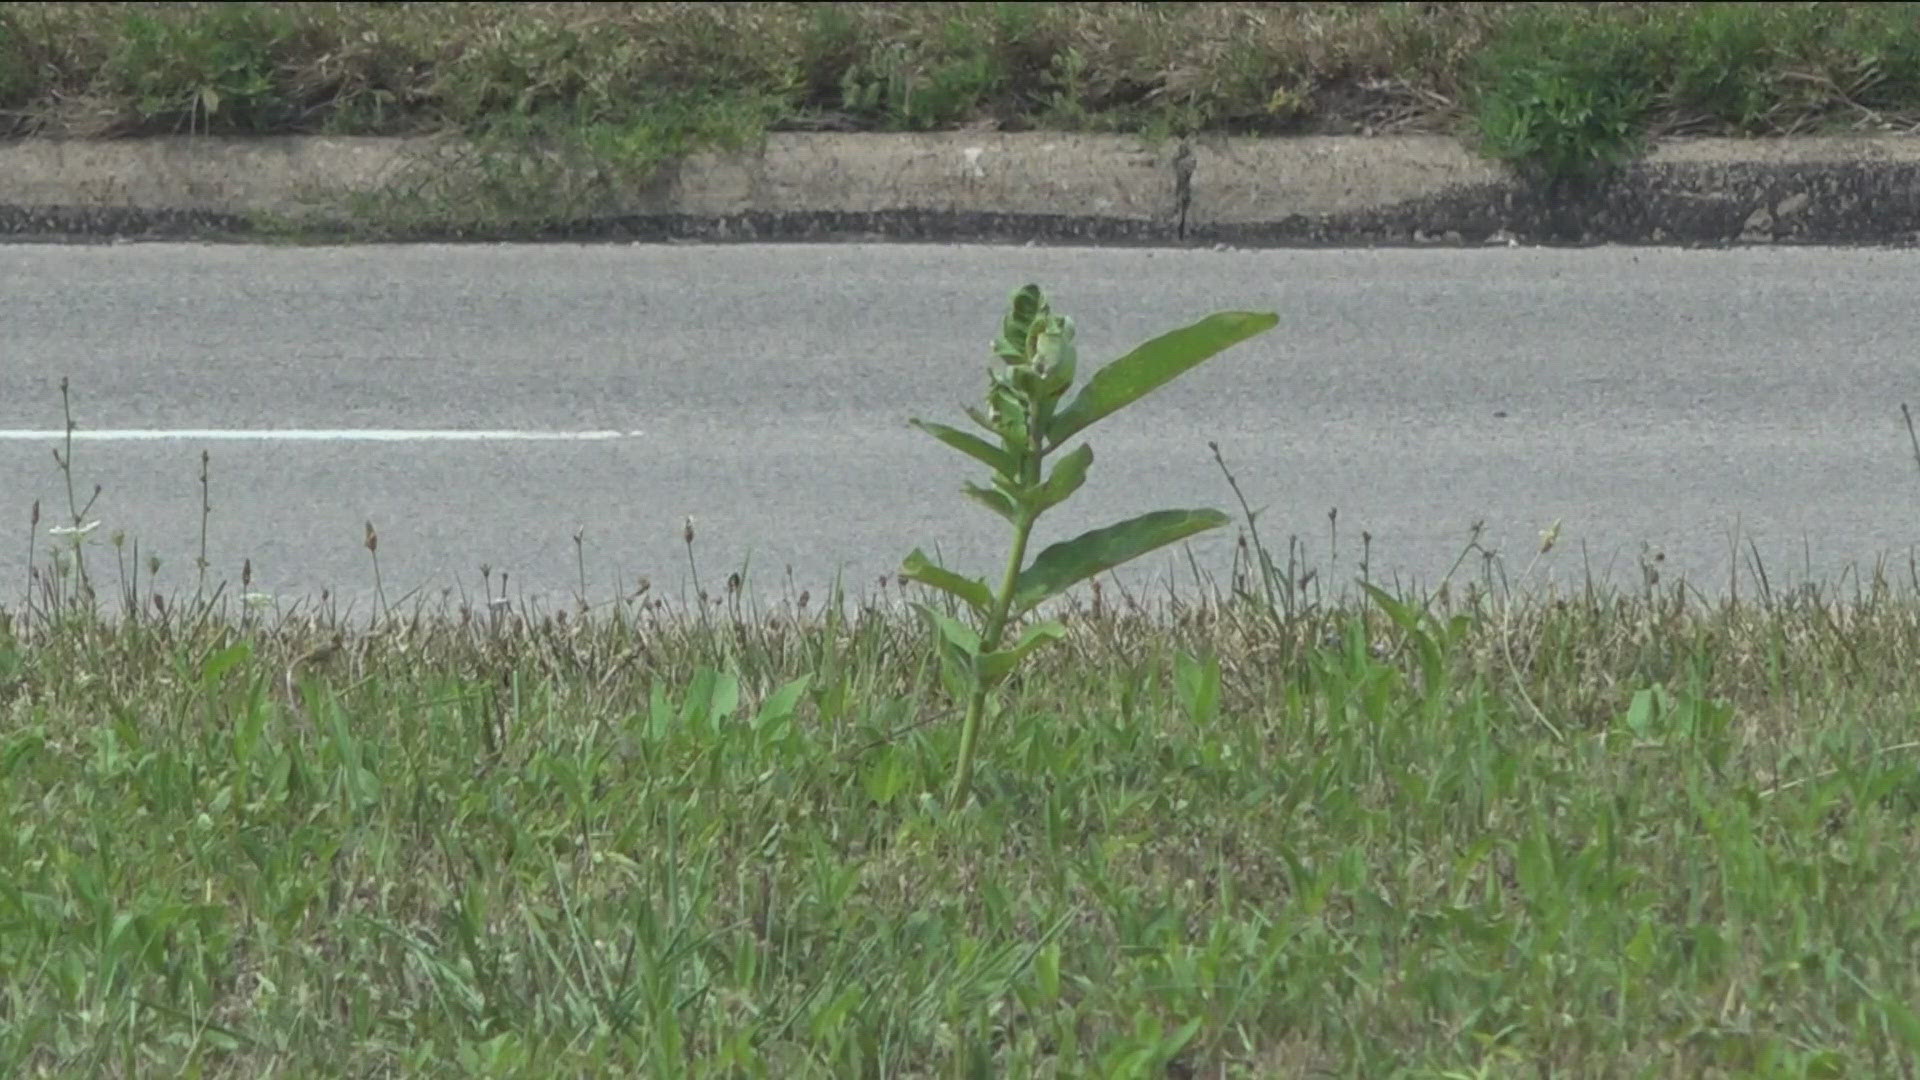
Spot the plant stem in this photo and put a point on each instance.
(1002, 603)
(989, 641)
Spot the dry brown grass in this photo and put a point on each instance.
(116, 69)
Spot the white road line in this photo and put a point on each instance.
(308, 435)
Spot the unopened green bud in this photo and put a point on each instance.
(1054, 356)
(1028, 306)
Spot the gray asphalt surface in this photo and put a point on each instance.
(1682, 399)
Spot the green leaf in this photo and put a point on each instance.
(660, 712)
(726, 697)
(1413, 622)
(1153, 365)
(1069, 562)
(997, 501)
(995, 666)
(1198, 683)
(1007, 410)
(1639, 718)
(1403, 616)
(1026, 305)
(223, 661)
(1046, 972)
(1902, 1020)
(1171, 1046)
(956, 633)
(711, 699)
(971, 445)
(1066, 478)
(971, 590)
(1533, 866)
(781, 703)
(1055, 356)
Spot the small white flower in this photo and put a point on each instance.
(258, 600)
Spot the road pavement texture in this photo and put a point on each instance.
(1696, 401)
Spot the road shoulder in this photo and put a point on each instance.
(965, 186)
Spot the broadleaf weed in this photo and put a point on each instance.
(1026, 409)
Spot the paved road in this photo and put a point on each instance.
(1658, 396)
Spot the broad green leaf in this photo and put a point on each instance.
(997, 501)
(1066, 478)
(224, 661)
(956, 671)
(1640, 710)
(711, 698)
(1153, 365)
(781, 703)
(971, 590)
(995, 666)
(1198, 683)
(693, 706)
(1069, 562)
(1402, 615)
(971, 445)
(956, 633)
(726, 697)
(1413, 622)
(886, 777)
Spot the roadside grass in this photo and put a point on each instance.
(559, 103)
(1265, 828)
(1268, 826)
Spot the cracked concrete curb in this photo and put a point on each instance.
(970, 186)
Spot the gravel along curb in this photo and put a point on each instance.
(967, 186)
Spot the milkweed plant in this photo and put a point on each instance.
(1027, 418)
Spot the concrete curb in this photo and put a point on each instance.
(966, 186)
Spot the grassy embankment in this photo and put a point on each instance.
(607, 92)
(1267, 829)
(1608, 835)
(1262, 832)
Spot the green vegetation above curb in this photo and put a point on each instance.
(1560, 89)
